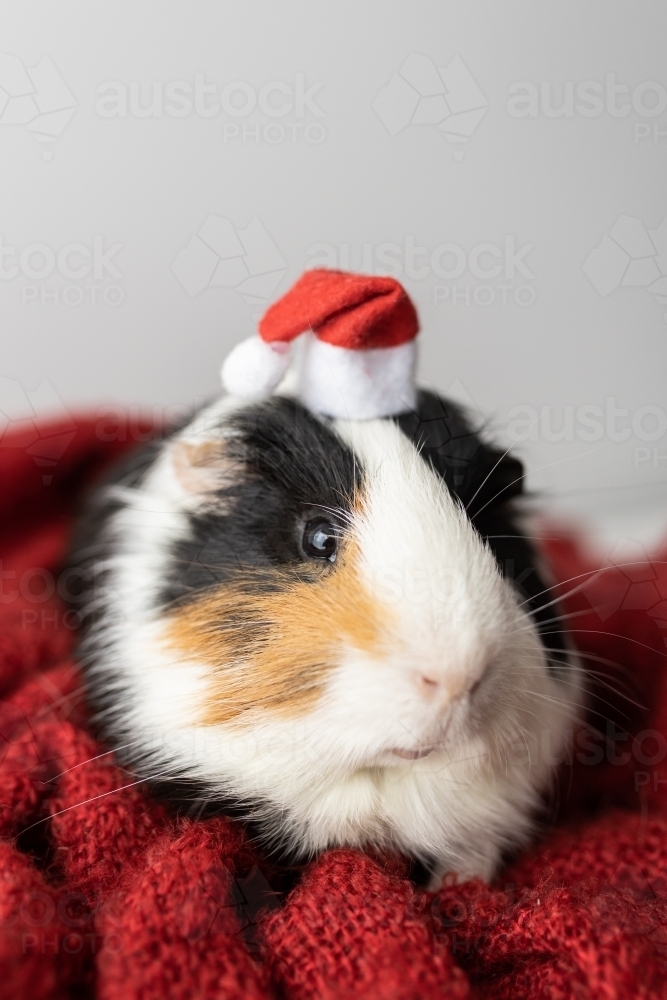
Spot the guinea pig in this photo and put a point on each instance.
(334, 628)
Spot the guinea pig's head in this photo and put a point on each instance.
(363, 587)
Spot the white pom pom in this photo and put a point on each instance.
(254, 368)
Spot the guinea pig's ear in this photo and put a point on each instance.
(200, 467)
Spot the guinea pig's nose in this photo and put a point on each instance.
(447, 689)
(430, 684)
(435, 689)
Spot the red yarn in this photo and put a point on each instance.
(104, 892)
(347, 310)
(351, 929)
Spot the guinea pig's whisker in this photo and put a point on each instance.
(583, 655)
(561, 583)
(500, 751)
(590, 573)
(530, 538)
(556, 600)
(614, 635)
(553, 621)
(604, 701)
(339, 512)
(588, 670)
(603, 680)
(521, 733)
(560, 616)
(488, 476)
(464, 760)
(563, 701)
(522, 708)
(203, 802)
(94, 798)
(596, 659)
(560, 461)
(91, 759)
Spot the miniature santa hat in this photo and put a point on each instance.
(359, 352)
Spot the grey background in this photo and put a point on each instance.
(149, 184)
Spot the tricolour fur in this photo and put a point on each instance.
(399, 695)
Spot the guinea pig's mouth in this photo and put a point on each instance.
(413, 754)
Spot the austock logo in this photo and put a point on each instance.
(275, 112)
(592, 99)
(631, 583)
(422, 94)
(485, 274)
(74, 274)
(37, 98)
(220, 256)
(20, 426)
(630, 257)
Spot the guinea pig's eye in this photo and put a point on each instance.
(320, 539)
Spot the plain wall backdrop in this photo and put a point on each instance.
(167, 169)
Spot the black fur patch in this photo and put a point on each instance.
(291, 466)
(486, 481)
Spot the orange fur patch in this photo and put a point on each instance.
(272, 638)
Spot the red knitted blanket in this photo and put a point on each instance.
(104, 893)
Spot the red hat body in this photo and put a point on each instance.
(354, 311)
